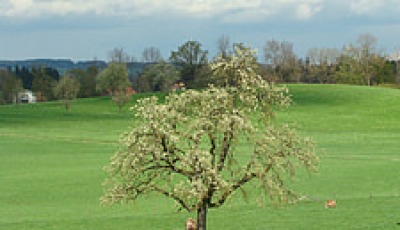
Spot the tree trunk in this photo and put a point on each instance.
(368, 80)
(202, 216)
(67, 105)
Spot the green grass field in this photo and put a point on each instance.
(51, 167)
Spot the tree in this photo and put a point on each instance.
(87, 81)
(25, 75)
(186, 148)
(114, 81)
(43, 83)
(121, 98)
(190, 58)
(204, 77)
(67, 89)
(360, 63)
(283, 61)
(151, 55)
(228, 77)
(223, 46)
(160, 76)
(367, 55)
(386, 74)
(119, 55)
(322, 63)
(10, 87)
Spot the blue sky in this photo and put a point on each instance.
(88, 29)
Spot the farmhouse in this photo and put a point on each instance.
(27, 96)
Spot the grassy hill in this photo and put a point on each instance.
(51, 166)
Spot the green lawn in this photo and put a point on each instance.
(51, 167)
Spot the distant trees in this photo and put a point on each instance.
(158, 77)
(387, 74)
(26, 76)
(43, 83)
(360, 63)
(42, 80)
(10, 87)
(321, 65)
(224, 46)
(66, 90)
(151, 55)
(119, 55)
(282, 60)
(114, 81)
(190, 59)
(368, 56)
(87, 81)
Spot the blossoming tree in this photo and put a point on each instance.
(186, 147)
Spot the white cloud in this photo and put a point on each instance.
(194, 8)
(307, 10)
(366, 6)
(224, 10)
(40, 8)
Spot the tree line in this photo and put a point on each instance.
(361, 63)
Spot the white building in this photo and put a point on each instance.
(27, 96)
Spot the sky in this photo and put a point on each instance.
(90, 29)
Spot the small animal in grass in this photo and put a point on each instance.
(330, 204)
(191, 224)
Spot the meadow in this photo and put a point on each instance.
(51, 166)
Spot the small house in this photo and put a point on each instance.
(27, 96)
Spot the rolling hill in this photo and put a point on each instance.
(51, 166)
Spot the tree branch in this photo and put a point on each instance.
(172, 168)
(212, 149)
(228, 136)
(245, 179)
(173, 196)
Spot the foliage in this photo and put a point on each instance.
(224, 46)
(187, 148)
(385, 73)
(361, 63)
(10, 87)
(151, 55)
(349, 72)
(159, 77)
(321, 65)
(114, 81)
(283, 61)
(204, 77)
(26, 76)
(87, 81)
(67, 89)
(190, 57)
(119, 55)
(121, 98)
(43, 83)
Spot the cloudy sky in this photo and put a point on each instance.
(88, 29)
